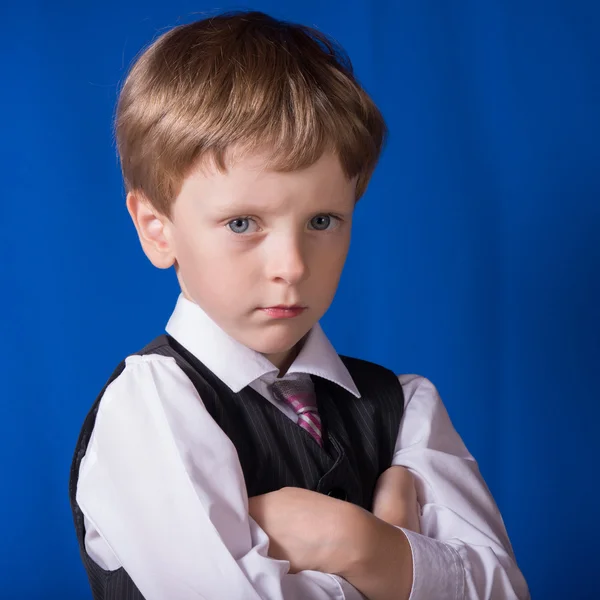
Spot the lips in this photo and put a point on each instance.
(287, 306)
(284, 311)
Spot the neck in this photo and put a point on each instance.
(283, 361)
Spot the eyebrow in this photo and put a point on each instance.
(250, 205)
(241, 206)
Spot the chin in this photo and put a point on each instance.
(276, 342)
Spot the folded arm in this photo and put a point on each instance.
(464, 551)
(175, 515)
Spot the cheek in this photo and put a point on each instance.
(331, 258)
(197, 259)
(215, 270)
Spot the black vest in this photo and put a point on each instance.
(274, 452)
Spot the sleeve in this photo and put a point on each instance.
(162, 488)
(464, 551)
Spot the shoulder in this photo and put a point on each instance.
(361, 369)
(417, 388)
(138, 367)
(374, 381)
(139, 405)
(424, 410)
(132, 377)
(139, 381)
(152, 363)
(413, 386)
(141, 378)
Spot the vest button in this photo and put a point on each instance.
(338, 493)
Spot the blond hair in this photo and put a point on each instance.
(246, 80)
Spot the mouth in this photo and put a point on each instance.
(286, 307)
(284, 311)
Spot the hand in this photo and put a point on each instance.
(395, 499)
(304, 527)
(316, 532)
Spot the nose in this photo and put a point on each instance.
(286, 261)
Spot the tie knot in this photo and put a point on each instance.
(297, 393)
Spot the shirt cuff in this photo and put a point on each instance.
(438, 571)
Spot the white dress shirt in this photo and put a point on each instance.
(163, 494)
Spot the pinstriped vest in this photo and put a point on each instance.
(359, 439)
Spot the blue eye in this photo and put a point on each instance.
(239, 225)
(242, 225)
(321, 222)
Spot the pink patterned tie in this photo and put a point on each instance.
(300, 395)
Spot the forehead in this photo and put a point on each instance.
(245, 172)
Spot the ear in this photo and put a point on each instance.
(153, 230)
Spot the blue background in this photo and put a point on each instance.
(475, 258)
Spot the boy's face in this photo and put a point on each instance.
(250, 239)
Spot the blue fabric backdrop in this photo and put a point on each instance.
(475, 258)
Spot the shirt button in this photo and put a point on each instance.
(338, 493)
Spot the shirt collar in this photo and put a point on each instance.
(237, 365)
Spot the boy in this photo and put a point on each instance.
(237, 455)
